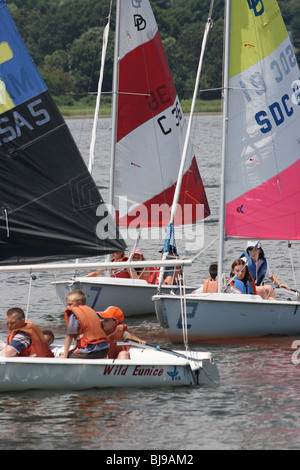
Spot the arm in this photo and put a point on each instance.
(135, 338)
(68, 342)
(95, 273)
(275, 280)
(8, 352)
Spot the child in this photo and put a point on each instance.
(111, 323)
(83, 326)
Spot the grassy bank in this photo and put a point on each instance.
(87, 107)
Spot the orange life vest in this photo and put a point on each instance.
(38, 347)
(154, 276)
(209, 286)
(121, 272)
(117, 335)
(147, 274)
(90, 330)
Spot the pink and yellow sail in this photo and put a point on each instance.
(263, 166)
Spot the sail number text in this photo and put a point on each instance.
(12, 128)
(278, 111)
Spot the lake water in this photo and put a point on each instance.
(256, 406)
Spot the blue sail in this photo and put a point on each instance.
(48, 199)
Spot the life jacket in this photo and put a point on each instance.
(245, 288)
(147, 274)
(154, 277)
(90, 330)
(38, 347)
(117, 335)
(209, 286)
(252, 268)
(120, 272)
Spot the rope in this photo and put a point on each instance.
(32, 278)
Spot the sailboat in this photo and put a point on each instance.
(49, 204)
(148, 138)
(260, 196)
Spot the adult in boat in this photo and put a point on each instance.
(84, 327)
(112, 323)
(259, 269)
(24, 337)
(242, 281)
(116, 257)
(139, 273)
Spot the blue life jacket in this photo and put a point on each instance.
(244, 288)
(252, 268)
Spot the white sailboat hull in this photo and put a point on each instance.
(132, 296)
(146, 368)
(223, 316)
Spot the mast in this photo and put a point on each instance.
(115, 95)
(224, 139)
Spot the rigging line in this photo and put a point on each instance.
(204, 249)
(97, 107)
(183, 311)
(292, 263)
(32, 278)
(44, 195)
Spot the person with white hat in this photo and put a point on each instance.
(259, 269)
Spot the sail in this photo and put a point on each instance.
(151, 129)
(50, 208)
(263, 166)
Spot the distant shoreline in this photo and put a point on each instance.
(101, 116)
(80, 111)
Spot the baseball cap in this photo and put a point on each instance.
(253, 244)
(138, 251)
(113, 312)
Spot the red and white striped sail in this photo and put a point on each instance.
(151, 130)
(263, 164)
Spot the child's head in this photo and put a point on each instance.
(112, 316)
(75, 298)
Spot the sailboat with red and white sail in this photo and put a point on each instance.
(260, 196)
(148, 138)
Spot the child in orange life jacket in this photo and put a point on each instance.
(111, 321)
(83, 326)
(209, 285)
(24, 337)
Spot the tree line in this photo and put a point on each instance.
(64, 38)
